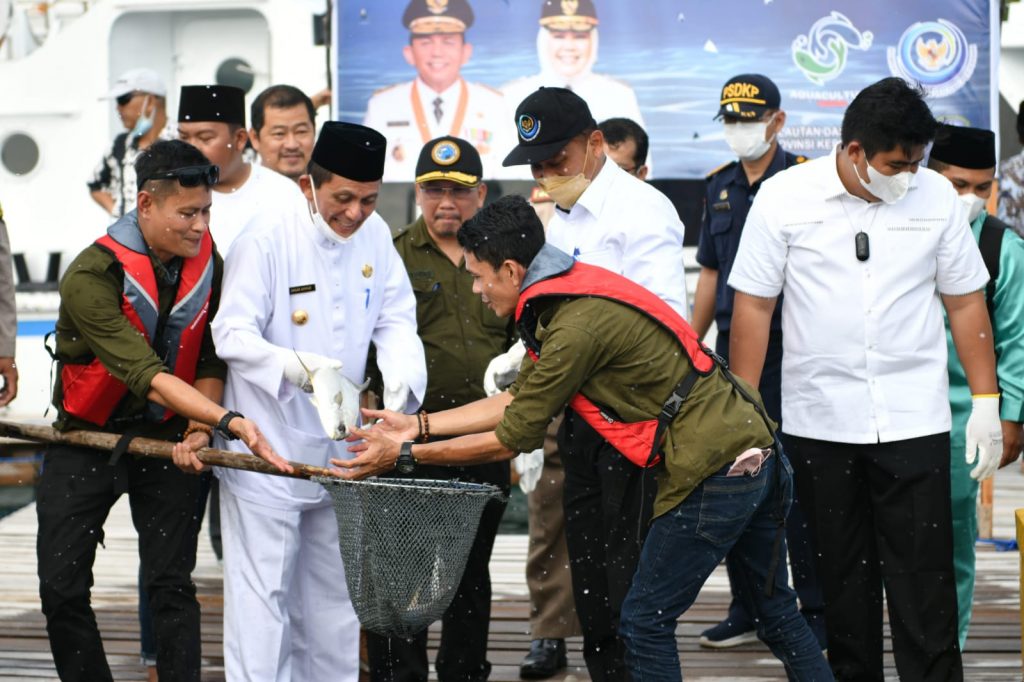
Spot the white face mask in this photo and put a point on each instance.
(748, 140)
(322, 226)
(974, 204)
(144, 123)
(888, 188)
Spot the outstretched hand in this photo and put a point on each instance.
(377, 453)
(254, 439)
(399, 426)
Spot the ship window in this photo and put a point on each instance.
(19, 154)
(236, 72)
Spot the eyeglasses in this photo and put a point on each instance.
(188, 176)
(123, 100)
(459, 192)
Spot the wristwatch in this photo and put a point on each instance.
(222, 426)
(406, 463)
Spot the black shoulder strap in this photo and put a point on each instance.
(990, 243)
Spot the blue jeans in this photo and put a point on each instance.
(683, 547)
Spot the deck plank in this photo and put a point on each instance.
(993, 649)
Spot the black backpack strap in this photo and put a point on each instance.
(990, 242)
(670, 409)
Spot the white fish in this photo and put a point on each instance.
(336, 399)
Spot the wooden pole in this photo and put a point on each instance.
(151, 447)
(985, 500)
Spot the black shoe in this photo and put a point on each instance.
(546, 657)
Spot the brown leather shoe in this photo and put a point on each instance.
(546, 658)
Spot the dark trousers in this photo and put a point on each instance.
(76, 490)
(462, 654)
(880, 514)
(798, 532)
(608, 503)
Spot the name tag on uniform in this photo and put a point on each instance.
(397, 124)
(302, 289)
(721, 206)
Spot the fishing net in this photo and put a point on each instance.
(404, 543)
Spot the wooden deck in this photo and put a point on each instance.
(993, 650)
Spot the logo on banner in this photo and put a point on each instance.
(936, 54)
(821, 54)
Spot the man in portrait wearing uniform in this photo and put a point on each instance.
(566, 53)
(967, 157)
(248, 195)
(604, 217)
(750, 107)
(867, 249)
(460, 335)
(140, 96)
(438, 101)
(626, 143)
(594, 337)
(135, 356)
(320, 287)
(283, 129)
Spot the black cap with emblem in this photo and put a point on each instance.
(973, 148)
(426, 17)
(568, 15)
(546, 121)
(350, 150)
(449, 158)
(222, 103)
(747, 97)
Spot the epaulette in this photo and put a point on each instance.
(386, 88)
(401, 232)
(721, 168)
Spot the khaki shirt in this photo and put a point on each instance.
(460, 334)
(90, 324)
(628, 364)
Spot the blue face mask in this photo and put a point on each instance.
(145, 122)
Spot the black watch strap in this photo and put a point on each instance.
(222, 426)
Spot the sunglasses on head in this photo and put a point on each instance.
(189, 176)
(123, 100)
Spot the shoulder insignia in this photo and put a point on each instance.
(801, 159)
(386, 88)
(721, 168)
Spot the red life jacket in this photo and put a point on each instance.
(635, 440)
(90, 391)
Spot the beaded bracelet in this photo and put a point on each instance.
(424, 426)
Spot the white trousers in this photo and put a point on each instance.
(287, 613)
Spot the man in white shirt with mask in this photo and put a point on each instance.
(603, 216)
(868, 249)
(324, 286)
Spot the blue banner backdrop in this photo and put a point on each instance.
(676, 54)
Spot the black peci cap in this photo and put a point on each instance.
(449, 158)
(222, 103)
(964, 147)
(351, 151)
(426, 17)
(568, 15)
(748, 96)
(546, 121)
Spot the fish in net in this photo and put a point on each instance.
(404, 543)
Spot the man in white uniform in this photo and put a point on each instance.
(603, 216)
(438, 101)
(325, 285)
(566, 52)
(248, 195)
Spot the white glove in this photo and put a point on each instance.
(503, 369)
(396, 396)
(300, 366)
(529, 466)
(984, 436)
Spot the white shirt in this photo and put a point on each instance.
(353, 292)
(483, 122)
(864, 349)
(627, 226)
(265, 196)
